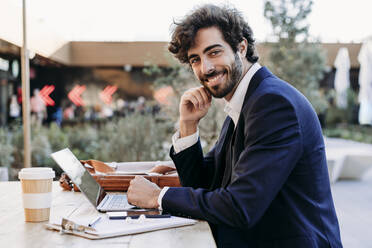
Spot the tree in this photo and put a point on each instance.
(292, 57)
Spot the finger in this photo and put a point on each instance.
(132, 181)
(207, 93)
(200, 98)
(203, 93)
(191, 98)
(131, 201)
(140, 178)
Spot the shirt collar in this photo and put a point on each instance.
(234, 106)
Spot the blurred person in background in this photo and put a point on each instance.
(69, 112)
(14, 108)
(38, 108)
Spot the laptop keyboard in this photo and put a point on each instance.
(117, 202)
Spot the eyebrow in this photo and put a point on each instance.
(205, 50)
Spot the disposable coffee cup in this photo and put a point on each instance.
(36, 192)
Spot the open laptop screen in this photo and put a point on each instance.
(79, 175)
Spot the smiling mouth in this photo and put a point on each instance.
(215, 80)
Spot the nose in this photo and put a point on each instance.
(207, 66)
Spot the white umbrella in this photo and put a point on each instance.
(365, 83)
(342, 78)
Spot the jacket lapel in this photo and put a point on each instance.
(221, 148)
(237, 144)
(257, 78)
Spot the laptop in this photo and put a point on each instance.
(96, 195)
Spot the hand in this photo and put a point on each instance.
(162, 169)
(194, 105)
(143, 193)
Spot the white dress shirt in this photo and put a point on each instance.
(232, 109)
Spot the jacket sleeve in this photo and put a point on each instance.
(272, 147)
(194, 169)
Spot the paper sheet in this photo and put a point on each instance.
(137, 168)
(112, 228)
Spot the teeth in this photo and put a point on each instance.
(215, 78)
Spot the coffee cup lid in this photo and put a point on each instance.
(35, 173)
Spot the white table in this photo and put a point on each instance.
(15, 232)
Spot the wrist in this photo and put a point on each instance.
(155, 198)
(188, 128)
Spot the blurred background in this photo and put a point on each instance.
(103, 83)
(101, 72)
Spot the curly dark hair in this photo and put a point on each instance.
(227, 19)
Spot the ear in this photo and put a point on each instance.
(242, 47)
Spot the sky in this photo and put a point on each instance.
(150, 20)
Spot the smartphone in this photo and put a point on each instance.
(149, 213)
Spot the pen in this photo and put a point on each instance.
(94, 221)
(157, 216)
(160, 216)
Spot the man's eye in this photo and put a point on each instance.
(193, 61)
(215, 52)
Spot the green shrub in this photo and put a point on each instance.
(57, 137)
(6, 149)
(350, 132)
(336, 116)
(83, 140)
(17, 142)
(41, 148)
(135, 138)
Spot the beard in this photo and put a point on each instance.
(233, 78)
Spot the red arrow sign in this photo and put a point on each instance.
(106, 94)
(44, 94)
(74, 95)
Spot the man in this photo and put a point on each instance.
(265, 182)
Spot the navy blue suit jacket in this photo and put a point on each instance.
(271, 189)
